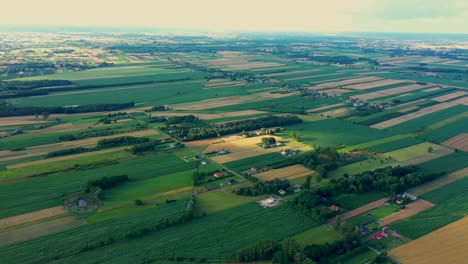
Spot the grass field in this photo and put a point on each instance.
(248, 223)
(219, 200)
(333, 132)
(450, 205)
(353, 201)
(317, 235)
(47, 191)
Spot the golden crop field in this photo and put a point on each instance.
(445, 245)
(290, 173)
(411, 209)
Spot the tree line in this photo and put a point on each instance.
(7, 109)
(191, 128)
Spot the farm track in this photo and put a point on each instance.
(360, 210)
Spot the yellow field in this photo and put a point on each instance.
(88, 142)
(345, 82)
(448, 244)
(370, 85)
(31, 217)
(241, 148)
(458, 142)
(229, 100)
(422, 112)
(387, 92)
(411, 209)
(38, 230)
(290, 173)
(449, 96)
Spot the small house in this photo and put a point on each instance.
(218, 175)
(281, 191)
(253, 169)
(335, 208)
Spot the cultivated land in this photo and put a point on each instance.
(447, 244)
(147, 148)
(290, 173)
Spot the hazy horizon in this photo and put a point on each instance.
(395, 16)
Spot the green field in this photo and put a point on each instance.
(353, 201)
(333, 132)
(247, 223)
(317, 235)
(48, 190)
(450, 205)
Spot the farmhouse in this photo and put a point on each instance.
(335, 208)
(281, 191)
(410, 196)
(218, 175)
(379, 236)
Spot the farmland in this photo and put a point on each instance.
(167, 148)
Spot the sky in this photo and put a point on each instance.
(422, 16)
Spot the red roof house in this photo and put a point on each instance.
(218, 175)
(334, 208)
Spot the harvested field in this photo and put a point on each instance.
(17, 122)
(202, 142)
(241, 148)
(288, 73)
(224, 101)
(88, 142)
(311, 76)
(449, 96)
(337, 91)
(459, 142)
(324, 107)
(388, 92)
(410, 210)
(221, 83)
(38, 230)
(422, 112)
(445, 245)
(370, 85)
(291, 172)
(408, 109)
(30, 217)
(345, 82)
(336, 112)
(273, 68)
(439, 182)
(423, 158)
(363, 209)
(431, 89)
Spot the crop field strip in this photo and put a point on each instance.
(442, 181)
(371, 85)
(420, 113)
(409, 210)
(290, 173)
(445, 245)
(458, 142)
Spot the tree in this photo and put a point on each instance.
(337, 224)
(138, 202)
(430, 149)
(280, 257)
(45, 115)
(300, 258)
(317, 178)
(293, 135)
(306, 184)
